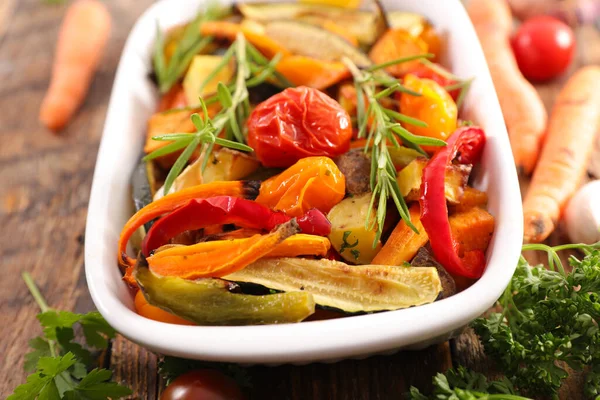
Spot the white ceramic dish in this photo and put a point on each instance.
(133, 100)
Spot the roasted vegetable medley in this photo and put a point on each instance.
(305, 161)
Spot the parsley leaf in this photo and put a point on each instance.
(42, 383)
(346, 245)
(461, 383)
(97, 386)
(61, 364)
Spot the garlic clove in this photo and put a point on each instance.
(582, 215)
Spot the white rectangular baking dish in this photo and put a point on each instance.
(132, 102)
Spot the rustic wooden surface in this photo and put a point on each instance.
(43, 201)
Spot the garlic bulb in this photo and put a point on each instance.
(582, 215)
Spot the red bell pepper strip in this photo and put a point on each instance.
(465, 145)
(220, 210)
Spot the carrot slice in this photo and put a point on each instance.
(403, 243)
(147, 310)
(219, 258)
(307, 71)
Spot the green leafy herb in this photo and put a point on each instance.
(252, 69)
(60, 364)
(549, 319)
(171, 367)
(345, 244)
(462, 384)
(380, 126)
(355, 253)
(191, 43)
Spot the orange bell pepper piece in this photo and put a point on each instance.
(313, 182)
(435, 107)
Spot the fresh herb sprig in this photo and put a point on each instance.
(252, 69)
(192, 42)
(463, 84)
(549, 318)
(60, 364)
(382, 126)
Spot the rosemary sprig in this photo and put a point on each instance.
(380, 126)
(252, 69)
(462, 84)
(191, 43)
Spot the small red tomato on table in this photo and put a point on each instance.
(203, 384)
(297, 123)
(544, 47)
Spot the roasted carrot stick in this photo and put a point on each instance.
(218, 258)
(81, 41)
(147, 310)
(523, 110)
(306, 71)
(574, 124)
(403, 243)
(302, 245)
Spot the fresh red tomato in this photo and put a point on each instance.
(544, 47)
(297, 123)
(203, 384)
(425, 72)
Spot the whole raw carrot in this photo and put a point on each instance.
(81, 41)
(574, 124)
(523, 110)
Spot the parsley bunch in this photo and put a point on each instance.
(60, 365)
(549, 320)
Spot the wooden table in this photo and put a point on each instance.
(43, 202)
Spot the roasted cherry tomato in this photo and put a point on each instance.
(297, 123)
(203, 384)
(544, 47)
(434, 107)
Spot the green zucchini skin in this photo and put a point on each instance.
(210, 302)
(142, 193)
(351, 289)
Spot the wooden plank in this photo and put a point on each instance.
(377, 378)
(45, 178)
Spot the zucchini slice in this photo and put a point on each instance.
(210, 302)
(312, 41)
(361, 288)
(143, 186)
(364, 25)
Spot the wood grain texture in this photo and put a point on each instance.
(43, 203)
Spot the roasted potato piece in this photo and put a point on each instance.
(409, 180)
(348, 236)
(470, 198)
(424, 258)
